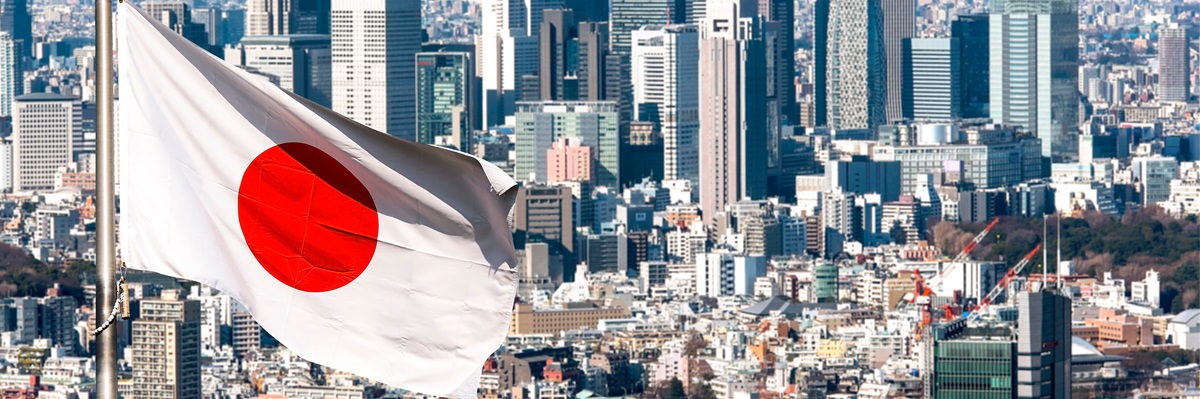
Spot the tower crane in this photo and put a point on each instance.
(1002, 285)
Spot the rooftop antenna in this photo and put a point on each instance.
(1058, 256)
(1045, 258)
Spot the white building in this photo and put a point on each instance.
(299, 63)
(374, 46)
(43, 127)
(724, 274)
(1146, 291)
(268, 17)
(665, 75)
(1185, 191)
(508, 46)
(1184, 330)
(12, 77)
(1154, 175)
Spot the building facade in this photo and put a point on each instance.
(297, 63)
(44, 126)
(374, 43)
(666, 82)
(166, 348)
(932, 88)
(539, 125)
(445, 95)
(856, 67)
(1174, 61)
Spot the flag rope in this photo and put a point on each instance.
(112, 315)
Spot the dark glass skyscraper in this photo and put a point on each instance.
(14, 18)
(627, 16)
(972, 34)
(445, 94)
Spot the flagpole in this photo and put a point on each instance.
(106, 261)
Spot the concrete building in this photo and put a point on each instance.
(556, 37)
(1174, 64)
(546, 214)
(861, 175)
(569, 160)
(856, 68)
(12, 72)
(508, 51)
(665, 83)
(297, 63)
(374, 84)
(166, 348)
(1043, 352)
(595, 124)
(899, 25)
(733, 134)
(1153, 176)
(723, 274)
(627, 16)
(269, 17)
(526, 320)
(991, 156)
(1034, 75)
(44, 125)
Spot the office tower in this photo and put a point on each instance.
(311, 17)
(981, 364)
(931, 87)
(820, 62)
(593, 53)
(213, 21)
(269, 17)
(44, 126)
(861, 176)
(856, 65)
(588, 10)
(841, 221)
(973, 69)
(641, 153)
(1035, 70)
(733, 131)
(15, 19)
(1043, 345)
(899, 23)
(233, 24)
(12, 74)
(445, 98)
(627, 16)
(508, 51)
(1173, 64)
(783, 57)
(665, 82)
(594, 123)
(177, 15)
(374, 44)
(297, 63)
(166, 348)
(556, 58)
(545, 214)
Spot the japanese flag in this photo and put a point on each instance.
(356, 250)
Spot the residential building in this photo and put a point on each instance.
(166, 348)
(724, 274)
(1174, 64)
(569, 160)
(12, 71)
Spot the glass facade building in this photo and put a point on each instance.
(444, 94)
(973, 369)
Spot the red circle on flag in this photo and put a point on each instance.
(306, 218)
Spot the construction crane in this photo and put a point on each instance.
(1002, 285)
(936, 280)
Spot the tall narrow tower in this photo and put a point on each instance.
(1173, 61)
(856, 69)
(374, 45)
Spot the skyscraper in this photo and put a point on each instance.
(1173, 64)
(269, 17)
(12, 75)
(665, 81)
(311, 17)
(300, 63)
(931, 85)
(445, 96)
(820, 62)
(15, 19)
(899, 23)
(1035, 70)
(374, 44)
(593, 55)
(783, 60)
(627, 16)
(733, 131)
(1043, 345)
(556, 55)
(166, 348)
(44, 126)
(973, 69)
(177, 15)
(508, 51)
(856, 65)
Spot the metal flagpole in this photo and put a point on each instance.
(106, 260)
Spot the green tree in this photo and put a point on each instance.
(675, 389)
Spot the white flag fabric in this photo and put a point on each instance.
(359, 251)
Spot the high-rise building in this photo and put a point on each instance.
(12, 74)
(311, 17)
(44, 127)
(15, 19)
(269, 17)
(593, 56)
(556, 56)
(820, 61)
(166, 348)
(899, 23)
(626, 16)
(973, 68)
(733, 131)
(596, 124)
(1173, 64)
(931, 87)
(665, 82)
(177, 15)
(589, 10)
(446, 98)
(1034, 75)
(569, 160)
(1043, 366)
(783, 58)
(973, 366)
(57, 320)
(856, 65)
(861, 175)
(374, 44)
(508, 51)
(297, 63)
(545, 214)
